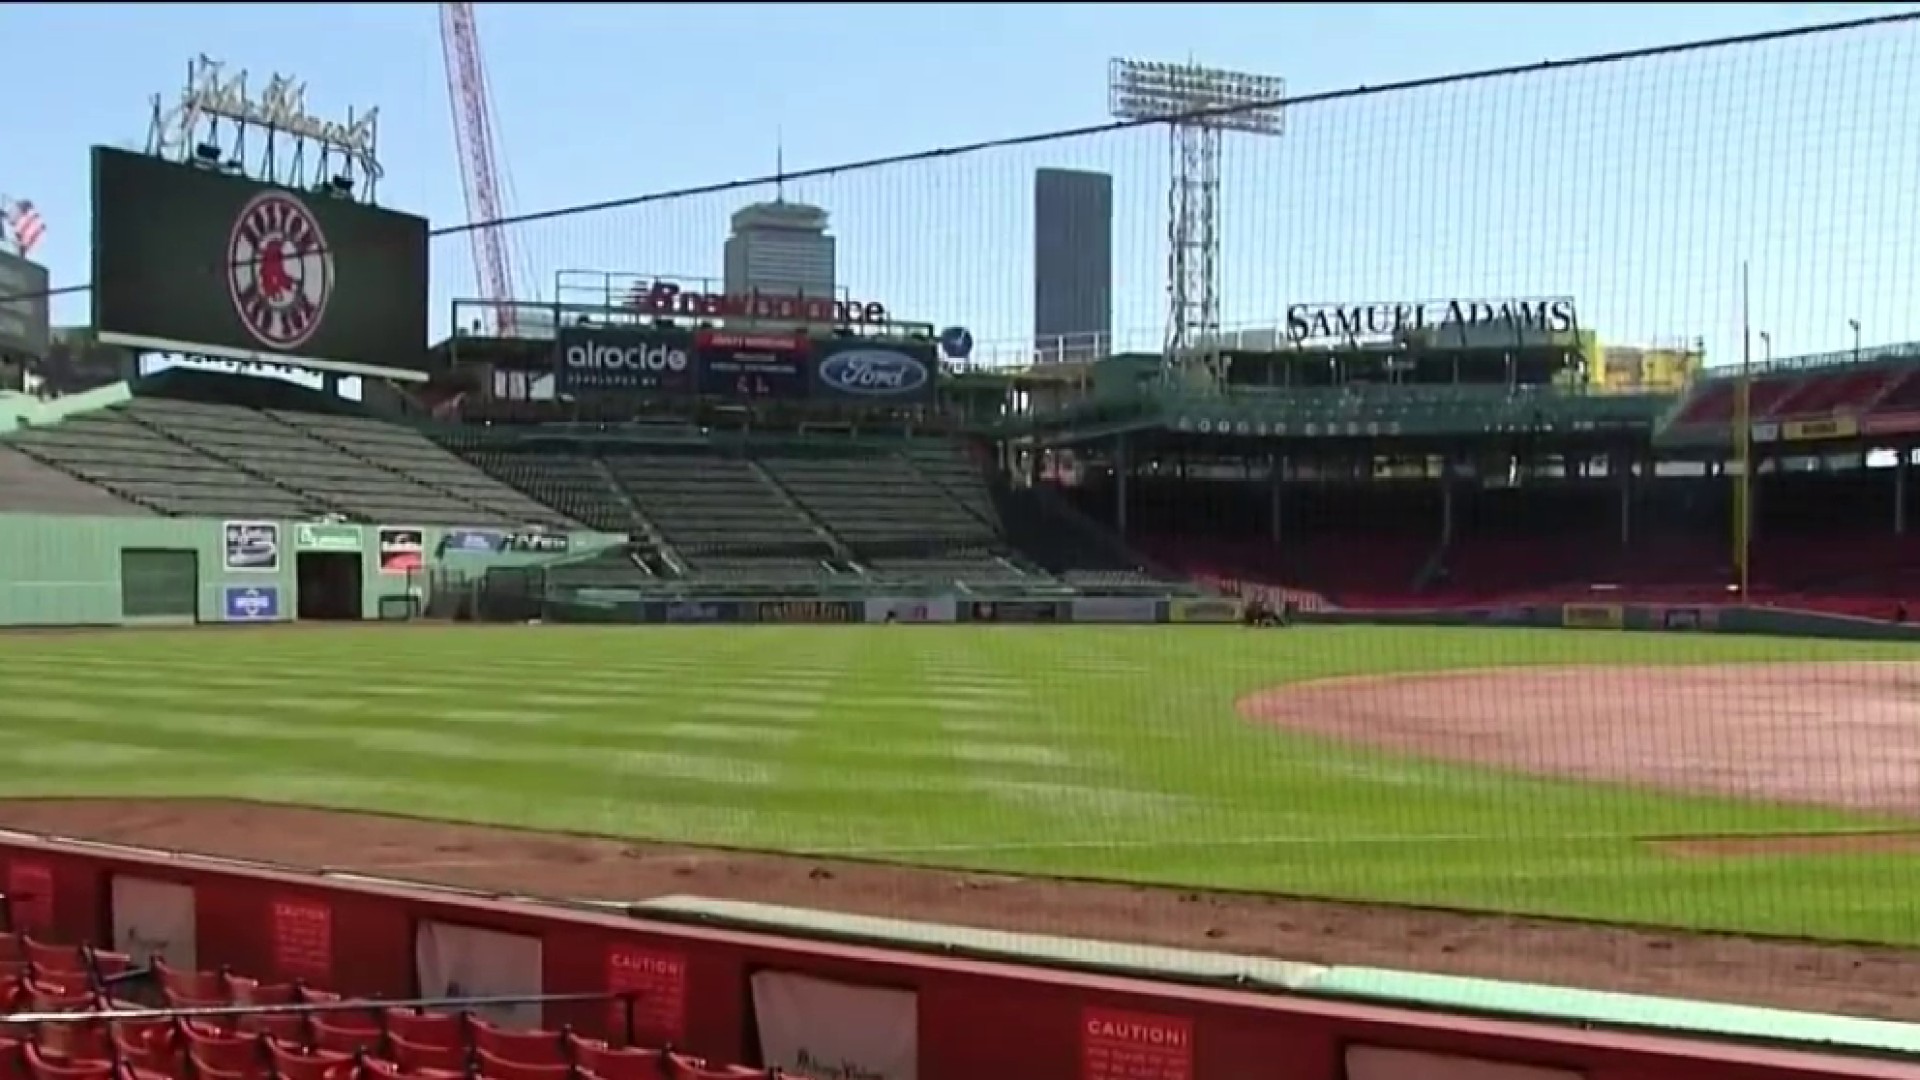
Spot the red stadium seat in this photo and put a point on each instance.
(426, 1029)
(617, 1063)
(494, 1067)
(290, 1062)
(413, 1056)
(536, 1047)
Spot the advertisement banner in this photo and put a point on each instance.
(327, 536)
(250, 603)
(804, 611)
(1593, 616)
(1838, 427)
(823, 1029)
(154, 918)
(1115, 609)
(874, 372)
(624, 359)
(1122, 1045)
(1205, 610)
(250, 546)
(402, 550)
(26, 326)
(201, 261)
(1013, 611)
(749, 365)
(940, 609)
(495, 541)
(461, 961)
(694, 611)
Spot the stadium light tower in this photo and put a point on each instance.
(1198, 105)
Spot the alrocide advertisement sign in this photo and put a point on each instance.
(197, 261)
(752, 365)
(622, 358)
(874, 372)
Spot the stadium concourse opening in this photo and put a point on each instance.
(328, 585)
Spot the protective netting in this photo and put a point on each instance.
(1748, 200)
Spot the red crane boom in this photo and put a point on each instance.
(479, 172)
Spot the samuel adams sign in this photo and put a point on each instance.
(1455, 323)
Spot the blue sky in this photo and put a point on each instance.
(1638, 188)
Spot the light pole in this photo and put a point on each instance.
(1855, 323)
(1766, 346)
(1197, 104)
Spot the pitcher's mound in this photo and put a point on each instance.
(1832, 734)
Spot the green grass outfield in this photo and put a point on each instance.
(1101, 752)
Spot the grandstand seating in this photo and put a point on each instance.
(723, 516)
(110, 448)
(182, 457)
(1833, 389)
(330, 1039)
(799, 512)
(29, 485)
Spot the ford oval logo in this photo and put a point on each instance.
(873, 373)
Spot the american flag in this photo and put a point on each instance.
(23, 224)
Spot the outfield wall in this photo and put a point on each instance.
(627, 606)
(120, 571)
(1668, 618)
(970, 1017)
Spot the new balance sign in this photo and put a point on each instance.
(605, 358)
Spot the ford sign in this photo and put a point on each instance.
(874, 373)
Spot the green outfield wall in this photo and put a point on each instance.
(121, 571)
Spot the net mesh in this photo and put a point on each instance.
(1741, 199)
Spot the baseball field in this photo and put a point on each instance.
(1755, 785)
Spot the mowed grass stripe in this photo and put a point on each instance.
(1085, 750)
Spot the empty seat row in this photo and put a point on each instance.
(73, 1013)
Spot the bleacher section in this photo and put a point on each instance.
(892, 516)
(309, 1034)
(574, 484)
(189, 458)
(412, 456)
(1881, 385)
(137, 462)
(722, 517)
(29, 485)
(814, 512)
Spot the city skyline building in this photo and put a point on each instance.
(781, 248)
(1072, 264)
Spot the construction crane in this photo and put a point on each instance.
(480, 174)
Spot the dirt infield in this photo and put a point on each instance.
(1828, 734)
(1856, 980)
